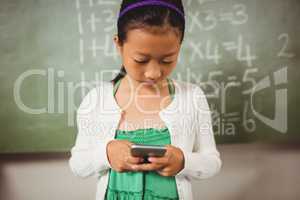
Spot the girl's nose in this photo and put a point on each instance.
(153, 73)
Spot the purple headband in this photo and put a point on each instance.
(150, 2)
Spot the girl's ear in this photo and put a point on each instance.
(118, 44)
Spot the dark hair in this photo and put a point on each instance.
(148, 16)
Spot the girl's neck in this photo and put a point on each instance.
(137, 86)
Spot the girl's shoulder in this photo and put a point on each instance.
(187, 88)
(95, 96)
(192, 96)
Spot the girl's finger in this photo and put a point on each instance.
(134, 160)
(158, 160)
(148, 167)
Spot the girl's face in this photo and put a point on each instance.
(149, 55)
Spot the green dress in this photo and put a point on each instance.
(144, 185)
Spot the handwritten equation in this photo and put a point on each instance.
(213, 51)
(222, 90)
(96, 26)
(208, 20)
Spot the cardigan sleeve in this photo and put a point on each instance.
(88, 155)
(204, 160)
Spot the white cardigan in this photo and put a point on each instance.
(187, 118)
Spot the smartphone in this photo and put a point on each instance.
(142, 150)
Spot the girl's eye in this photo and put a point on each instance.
(167, 62)
(145, 61)
(141, 61)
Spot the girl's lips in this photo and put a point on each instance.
(149, 82)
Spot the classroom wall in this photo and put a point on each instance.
(250, 171)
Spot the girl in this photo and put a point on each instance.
(117, 114)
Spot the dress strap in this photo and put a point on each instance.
(116, 86)
(170, 86)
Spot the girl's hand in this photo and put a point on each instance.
(118, 153)
(168, 165)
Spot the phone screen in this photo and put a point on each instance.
(147, 150)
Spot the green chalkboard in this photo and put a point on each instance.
(244, 54)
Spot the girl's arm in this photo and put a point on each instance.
(88, 155)
(204, 161)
